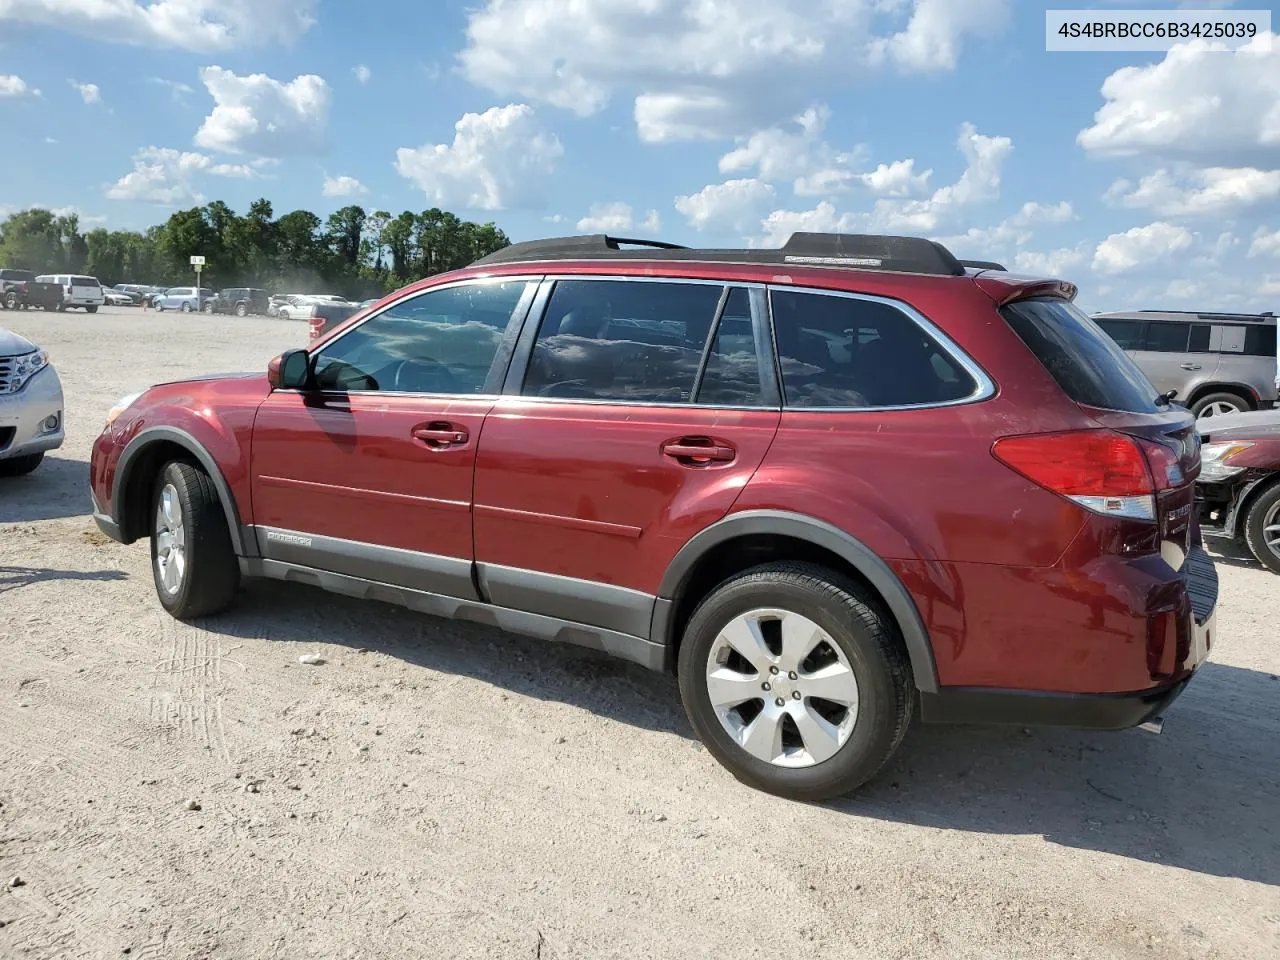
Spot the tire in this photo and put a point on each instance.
(62, 308)
(11, 301)
(1216, 403)
(855, 636)
(90, 309)
(241, 310)
(208, 308)
(186, 307)
(20, 466)
(282, 314)
(1264, 512)
(193, 564)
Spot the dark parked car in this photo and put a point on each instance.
(20, 290)
(828, 485)
(1240, 481)
(241, 301)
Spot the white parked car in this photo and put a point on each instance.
(77, 291)
(118, 298)
(30, 405)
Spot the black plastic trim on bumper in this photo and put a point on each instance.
(1085, 711)
(109, 527)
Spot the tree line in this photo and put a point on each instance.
(354, 253)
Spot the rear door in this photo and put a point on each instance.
(370, 473)
(635, 413)
(1166, 357)
(85, 290)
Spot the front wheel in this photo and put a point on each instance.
(1262, 528)
(193, 564)
(241, 310)
(11, 301)
(795, 681)
(186, 308)
(20, 466)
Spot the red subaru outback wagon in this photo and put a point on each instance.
(829, 485)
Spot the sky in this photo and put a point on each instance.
(1151, 180)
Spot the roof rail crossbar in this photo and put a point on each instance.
(857, 251)
(1215, 314)
(984, 265)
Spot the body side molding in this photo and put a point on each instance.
(781, 523)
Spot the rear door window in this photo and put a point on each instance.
(1127, 333)
(1088, 365)
(634, 341)
(1166, 337)
(844, 351)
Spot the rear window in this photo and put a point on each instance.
(1088, 365)
(16, 275)
(84, 282)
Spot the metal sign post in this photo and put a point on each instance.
(198, 263)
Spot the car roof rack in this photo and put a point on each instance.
(856, 251)
(1215, 315)
(984, 265)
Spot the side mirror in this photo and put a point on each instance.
(290, 371)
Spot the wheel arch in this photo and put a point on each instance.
(137, 468)
(690, 565)
(1243, 390)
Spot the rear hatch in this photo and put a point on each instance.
(1099, 376)
(84, 288)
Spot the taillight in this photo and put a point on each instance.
(1165, 467)
(1100, 470)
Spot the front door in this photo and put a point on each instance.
(625, 433)
(369, 474)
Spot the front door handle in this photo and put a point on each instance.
(699, 450)
(441, 434)
(1190, 366)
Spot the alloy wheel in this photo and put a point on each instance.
(782, 688)
(1271, 529)
(171, 540)
(1219, 407)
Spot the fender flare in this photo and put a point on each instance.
(801, 527)
(1224, 386)
(128, 460)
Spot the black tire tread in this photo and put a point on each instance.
(1254, 534)
(845, 594)
(213, 573)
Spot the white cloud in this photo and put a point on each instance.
(1006, 239)
(1265, 244)
(1032, 213)
(500, 159)
(779, 225)
(897, 179)
(1141, 247)
(343, 187)
(363, 73)
(89, 92)
(15, 86)
(700, 69)
(162, 175)
(199, 25)
(1210, 192)
(617, 217)
(1054, 263)
(256, 114)
(179, 90)
(795, 152)
(236, 171)
(933, 37)
(735, 205)
(1197, 104)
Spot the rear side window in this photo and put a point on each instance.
(1201, 334)
(836, 351)
(732, 374)
(1127, 333)
(1088, 365)
(622, 340)
(1260, 341)
(1167, 337)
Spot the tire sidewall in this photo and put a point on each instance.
(1217, 397)
(174, 475)
(1255, 521)
(874, 729)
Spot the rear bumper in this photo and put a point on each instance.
(1102, 711)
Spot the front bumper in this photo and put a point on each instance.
(1109, 711)
(23, 414)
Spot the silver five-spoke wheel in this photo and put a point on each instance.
(171, 540)
(782, 688)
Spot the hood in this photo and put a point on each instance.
(1254, 423)
(12, 345)
(237, 375)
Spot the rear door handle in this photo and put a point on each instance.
(439, 435)
(699, 450)
(1190, 366)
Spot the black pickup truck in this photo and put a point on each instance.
(19, 290)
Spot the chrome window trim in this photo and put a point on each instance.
(985, 387)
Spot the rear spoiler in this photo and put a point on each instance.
(1010, 287)
(984, 265)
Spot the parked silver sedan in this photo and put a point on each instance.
(31, 411)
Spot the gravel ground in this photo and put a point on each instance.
(440, 789)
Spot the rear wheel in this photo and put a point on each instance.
(1215, 404)
(186, 307)
(795, 681)
(20, 466)
(241, 310)
(11, 300)
(90, 309)
(1262, 528)
(193, 564)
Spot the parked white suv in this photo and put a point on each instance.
(30, 405)
(77, 291)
